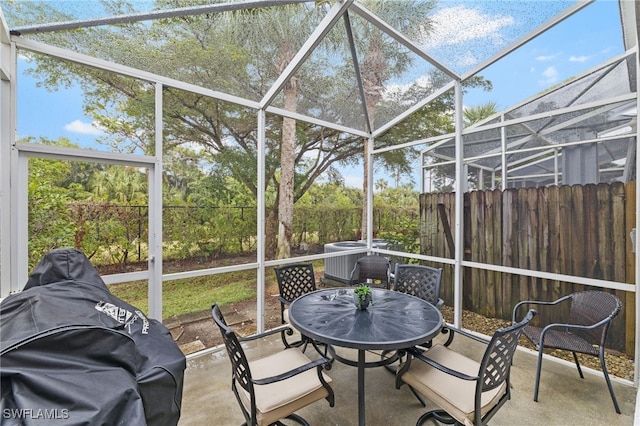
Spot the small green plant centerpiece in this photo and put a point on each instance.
(362, 296)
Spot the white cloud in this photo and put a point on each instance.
(458, 24)
(550, 76)
(607, 50)
(545, 58)
(578, 58)
(395, 89)
(77, 126)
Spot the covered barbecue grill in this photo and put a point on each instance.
(72, 353)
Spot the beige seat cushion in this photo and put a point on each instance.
(455, 396)
(277, 400)
(285, 315)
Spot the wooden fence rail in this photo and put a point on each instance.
(579, 230)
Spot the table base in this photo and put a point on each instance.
(362, 364)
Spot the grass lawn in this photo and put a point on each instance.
(180, 297)
(189, 295)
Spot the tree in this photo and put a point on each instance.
(283, 26)
(51, 188)
(120, 184)
(433, 119)
(240, 54)
(478, 113)
(401, 196)
(383, 60)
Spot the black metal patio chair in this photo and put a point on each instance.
(466, 391)
(293, 281)
(584, 331)
(372, 269)
(276, 386)
(420, 281)
(423, 282)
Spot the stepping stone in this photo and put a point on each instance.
(189, 348)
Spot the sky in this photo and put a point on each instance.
(463, 32)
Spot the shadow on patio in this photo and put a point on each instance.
(565, 399)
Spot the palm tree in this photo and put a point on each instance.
(478, 113)
(383, 60)
(124, 185)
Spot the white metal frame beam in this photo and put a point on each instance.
(636, 243)
(356, 67)
(146, 16)
(69, 55)
(154, 262)
(460, 184)
(260, 215)
(7, 114)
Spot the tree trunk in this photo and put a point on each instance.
(287, 160)
(365, 191)
(271, 226)
(374, 74)
(287, 173)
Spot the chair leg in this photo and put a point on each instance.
(388, 367)
(418, 396)
(440, 416)
(324, 353)
(606, 377)
(286, 343)
(305, 341)
(394, 370)
(538, 370)
(575, 358)
(296, 418)
(449, 338)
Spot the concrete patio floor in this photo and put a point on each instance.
(565, 399)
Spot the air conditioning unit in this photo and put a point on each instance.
(339, 268)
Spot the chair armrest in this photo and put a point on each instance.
(535, 302)
(452, 330)
(574, 326)
(418, 355)
(279, 329)
(283, 300)
(318, 363)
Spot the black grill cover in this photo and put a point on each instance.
(71, 353)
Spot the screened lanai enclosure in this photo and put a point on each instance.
(189, 147)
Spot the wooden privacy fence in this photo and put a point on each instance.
(579, 230)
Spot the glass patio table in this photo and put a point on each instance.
(394, 321)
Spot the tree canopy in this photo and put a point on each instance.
(243, 53)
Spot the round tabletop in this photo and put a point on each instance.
(393, 321)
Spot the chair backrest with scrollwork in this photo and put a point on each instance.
(295, 280)
(420, 281)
